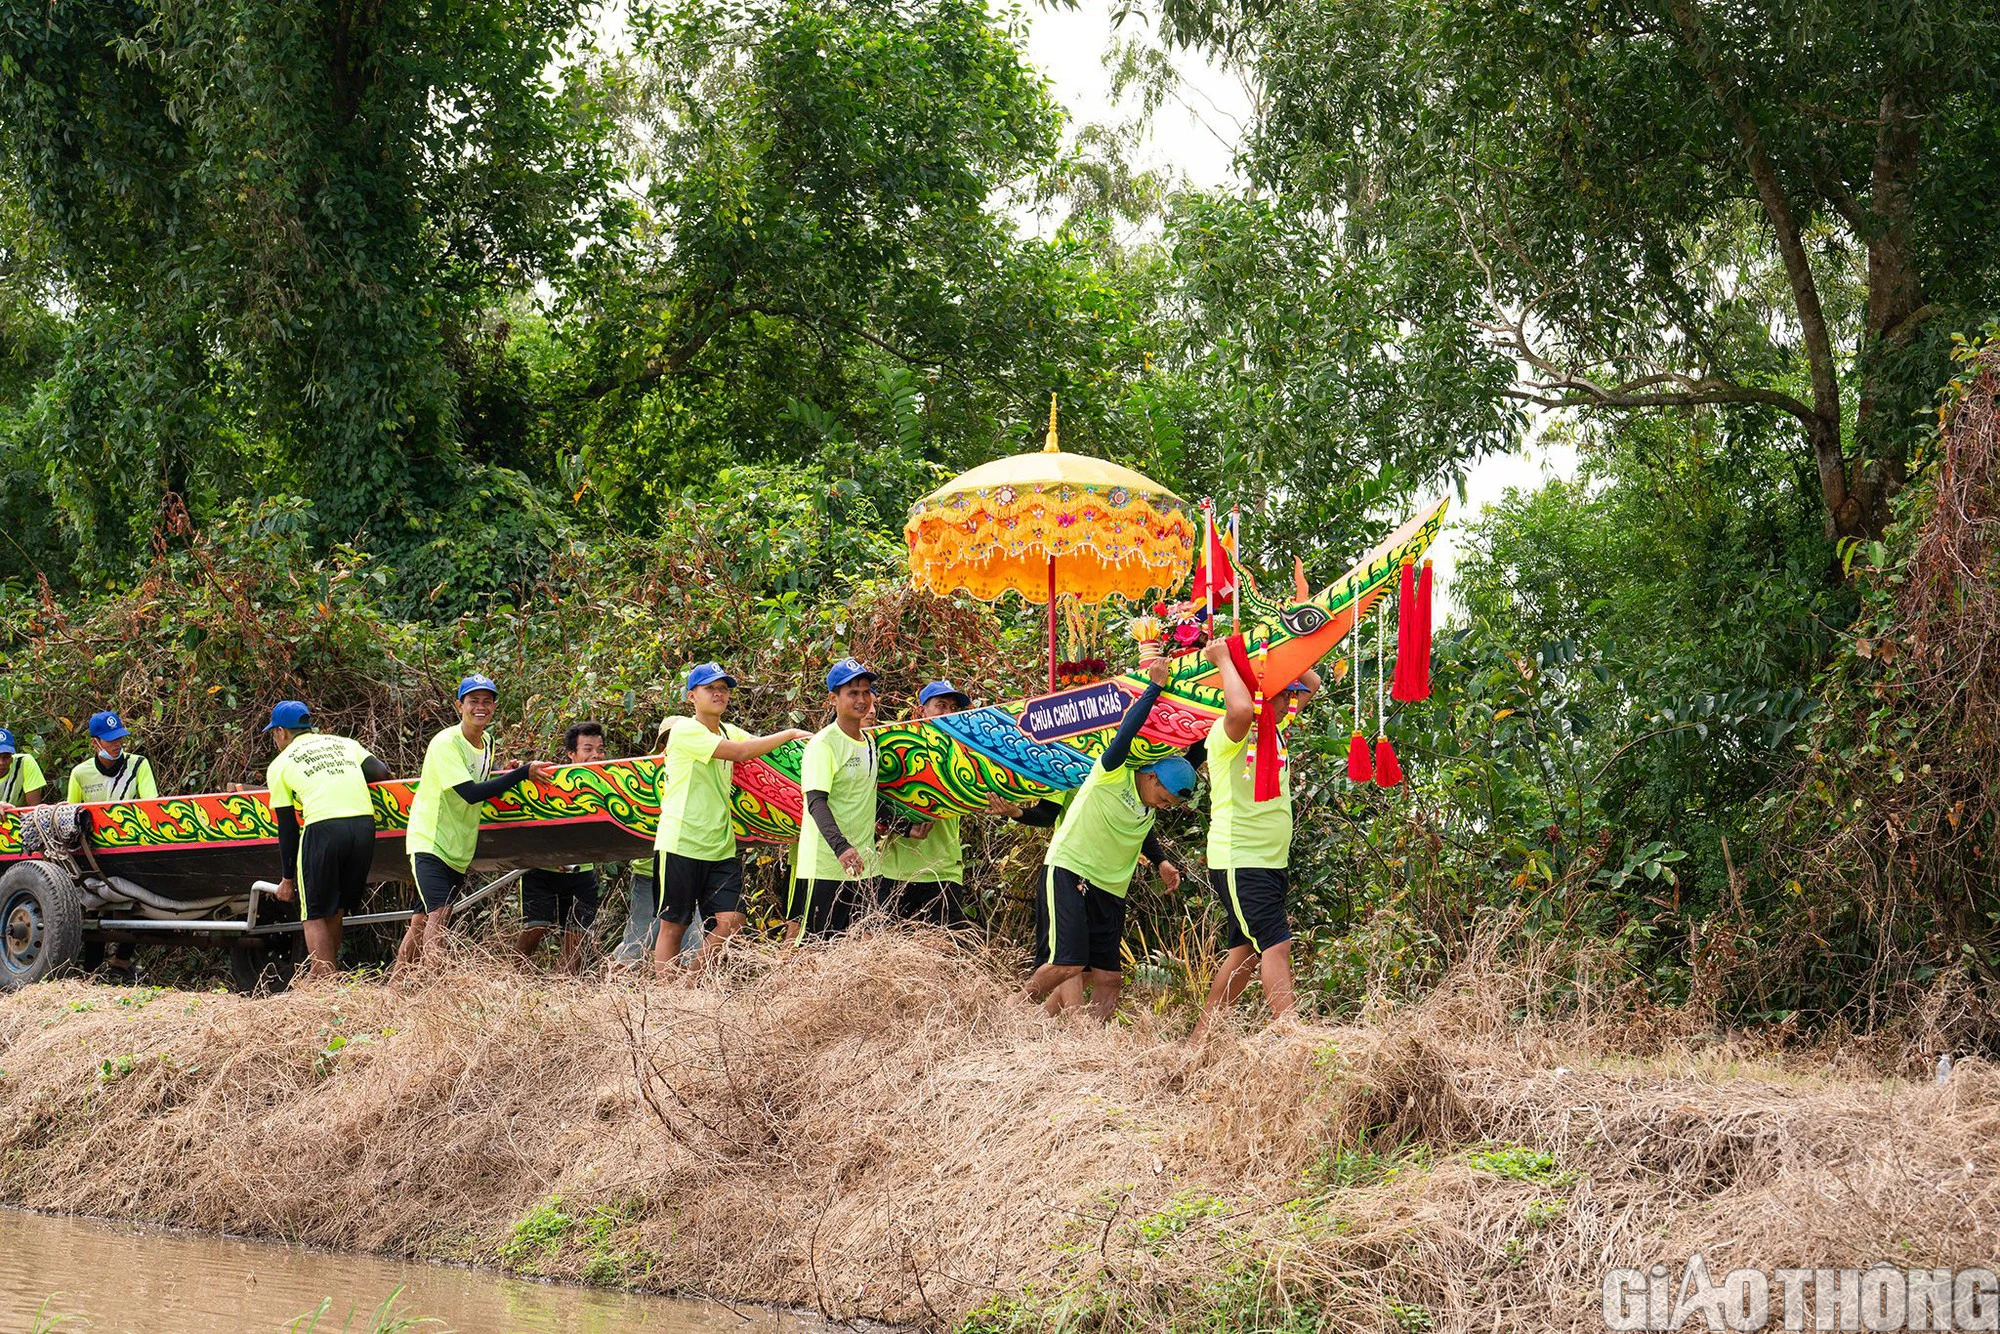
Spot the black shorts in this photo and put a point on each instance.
(938, 902)
(334, 857)
(826, 907)
(437, 882)
(683, 884)
(1253, 906)
(1078, 925)
(567, 899)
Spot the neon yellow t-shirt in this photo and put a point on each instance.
(23, 776)
(134, 782)
(694, 792)
(321, 775)
(440, 823)
(1242, 831)
(844, 769)
(938, 858)
(1103, 830)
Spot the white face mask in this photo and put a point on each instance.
(105, 755)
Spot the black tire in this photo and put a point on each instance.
(41, 923)
(262, 967)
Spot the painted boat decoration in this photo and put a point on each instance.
(185, 845)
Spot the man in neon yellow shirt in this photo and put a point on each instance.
(1249, 849)
(923, 870)
(326, 825)
(112, 772)
(1080, 916)
(695, 863)
(21, 779)
(444, 819)
(836, 852)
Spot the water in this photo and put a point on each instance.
(122, 1278)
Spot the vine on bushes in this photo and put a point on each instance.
(1888, 847)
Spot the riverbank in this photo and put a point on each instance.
(877, 1129)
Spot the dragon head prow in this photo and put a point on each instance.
(1299, 634)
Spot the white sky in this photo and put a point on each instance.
(1198, 136)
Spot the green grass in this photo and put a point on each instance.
(538, 1235)
(1177, 1216)
(1345, 1166)
(46, 1320)
(383, 1320)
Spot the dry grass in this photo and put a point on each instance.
(877, 1128)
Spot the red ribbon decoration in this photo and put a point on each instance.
(1423, 672)
(1413, 636)
(1268, 760)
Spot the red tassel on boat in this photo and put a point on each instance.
(1359, 769)
(1409, 639)
(1420, 674)
(1388, 772)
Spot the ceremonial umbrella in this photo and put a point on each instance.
(1036, 524)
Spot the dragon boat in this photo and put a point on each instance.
(195, 866)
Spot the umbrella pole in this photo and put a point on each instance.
(1052, 624)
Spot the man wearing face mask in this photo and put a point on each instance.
(113, 772)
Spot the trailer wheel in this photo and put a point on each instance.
(262, 967)
(41, 923)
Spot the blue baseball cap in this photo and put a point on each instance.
(707, 674)
(6, 742)
(939, 688)
(107, 726)
(847, 669)
(1175, 774)
(476, 682)
(290, 715)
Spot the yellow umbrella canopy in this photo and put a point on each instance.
(1040, 523)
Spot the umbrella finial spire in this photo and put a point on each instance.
(1050, 447)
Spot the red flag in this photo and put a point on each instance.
(1214, 572)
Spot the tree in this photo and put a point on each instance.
(1657, 203)
(823, 249)
(272, 219)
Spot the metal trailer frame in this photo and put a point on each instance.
(250, 926)
(48, 916)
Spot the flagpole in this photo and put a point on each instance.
(1235, 571)
(1052, 623)
(1207, 548)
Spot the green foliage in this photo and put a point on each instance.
(538, 1235)
(1518, 1162)
(114, 1068)
(1663, 203)
(1626, 678)
(1359, 1163)
(273, 227)
(1287, 367)
(1184, 1211)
